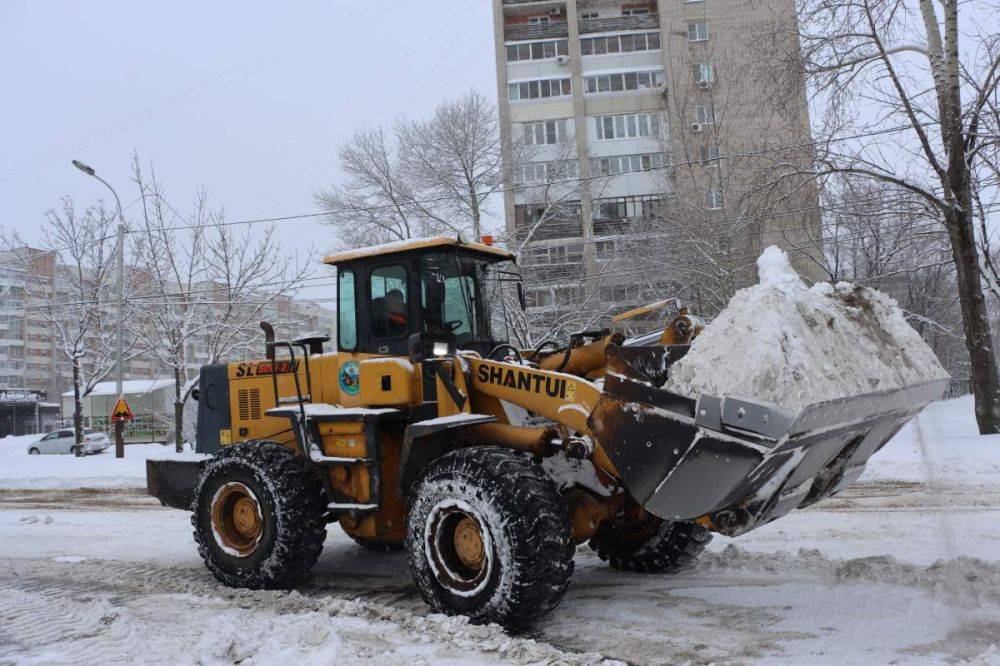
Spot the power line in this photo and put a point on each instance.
(321, 281)
(183, 97)
(516, 188)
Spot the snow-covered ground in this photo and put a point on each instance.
(18, 469)
(902, 568)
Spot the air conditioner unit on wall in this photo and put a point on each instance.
(697, 127)
(704, 85)
(662, 89)
(555, 11)
(562, 59)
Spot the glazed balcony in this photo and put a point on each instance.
(620, 23)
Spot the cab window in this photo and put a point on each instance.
(347, 328)
(390, 302)
(462, 310)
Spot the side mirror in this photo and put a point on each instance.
(520, 296)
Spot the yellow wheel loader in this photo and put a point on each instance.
(423, 429)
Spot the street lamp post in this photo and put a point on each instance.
(120, 289)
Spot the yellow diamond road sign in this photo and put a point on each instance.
(121, 412)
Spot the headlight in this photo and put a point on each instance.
(440, 349)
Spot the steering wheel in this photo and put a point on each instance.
(451, 326)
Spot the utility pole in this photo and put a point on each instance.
(120, 289)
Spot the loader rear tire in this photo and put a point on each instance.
(488, 536)
(656, 546)
(258, 516)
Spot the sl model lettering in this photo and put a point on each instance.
(265, 368)
(554, 387)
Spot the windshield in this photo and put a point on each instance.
(472, 307)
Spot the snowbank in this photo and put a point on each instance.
(18, 470)
(941, 445)
(784, 342)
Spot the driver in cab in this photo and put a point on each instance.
(395, 313)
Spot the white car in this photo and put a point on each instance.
(63, 441)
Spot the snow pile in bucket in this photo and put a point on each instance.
(786, 343)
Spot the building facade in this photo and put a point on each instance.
(636, 130)
(32, 363)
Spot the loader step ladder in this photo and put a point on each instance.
(341, 427)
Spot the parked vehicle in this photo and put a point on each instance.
(63, 441)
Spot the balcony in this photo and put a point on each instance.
(620, 23)
(552, 229)
(552, 272)
(615, 227)
(524, 31)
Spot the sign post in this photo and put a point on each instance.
(121, 414)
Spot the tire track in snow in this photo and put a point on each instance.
(42, 588)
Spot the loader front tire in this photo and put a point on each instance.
(488, 536)
(258, 516)
(650, 546)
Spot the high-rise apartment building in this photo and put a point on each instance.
(635, 131)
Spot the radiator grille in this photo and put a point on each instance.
(248, 401)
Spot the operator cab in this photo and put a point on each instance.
(389, 296)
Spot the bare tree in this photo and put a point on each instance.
(564, 294)
(905, 92)
(888, 238)
(198, 282)
(69, 283)
(427, 177)
(454, 157)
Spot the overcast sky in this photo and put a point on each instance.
(250, 100)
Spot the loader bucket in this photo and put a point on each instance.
(739, 463)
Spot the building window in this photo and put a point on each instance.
(555, 255)
(538, 20)
(537, 50)
(539, 298)
(589, 15)
(628, 126)
(605, 250)
(545, 172)
(554, 220)
(622, 81)
(710, 156)
(698, 31)
(639, 11)
(539, 89)
(714, 198)
(616, 293)
(704, 114)
(568, 295)
(646, 41)
(621, 208)
(544, 133)
(611, 166)
(704, 73)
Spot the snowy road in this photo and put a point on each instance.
(107, 575)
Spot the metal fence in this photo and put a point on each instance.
(143, 428)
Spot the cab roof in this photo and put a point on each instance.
(411, 244)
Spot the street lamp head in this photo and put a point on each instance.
(84, 168)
